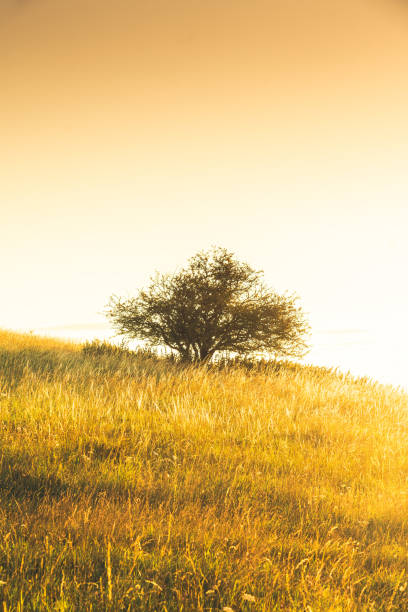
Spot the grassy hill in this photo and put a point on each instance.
(132, 483)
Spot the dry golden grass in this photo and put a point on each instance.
(130, 483)
(13, 342)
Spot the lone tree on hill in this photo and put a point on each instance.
(214, 304)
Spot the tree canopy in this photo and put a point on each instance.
(215, 304)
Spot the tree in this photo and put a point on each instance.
(214, 304)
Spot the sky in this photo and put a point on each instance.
(134, 134)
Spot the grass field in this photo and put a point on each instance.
(133, 483)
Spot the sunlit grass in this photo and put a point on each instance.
(132, 483)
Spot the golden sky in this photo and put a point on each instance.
(134, 133)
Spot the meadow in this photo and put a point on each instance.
(130, 482)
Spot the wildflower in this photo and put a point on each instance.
(248, 597)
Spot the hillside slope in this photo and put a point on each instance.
(130, 483)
